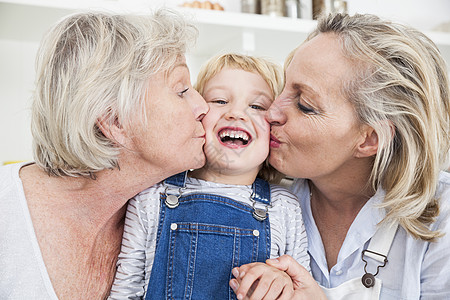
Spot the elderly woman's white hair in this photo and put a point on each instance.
(97, 66)
(401, 89)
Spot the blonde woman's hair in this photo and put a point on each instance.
(402, 91)
(97, 66)
(271, 73)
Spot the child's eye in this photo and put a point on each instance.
(257, 107)
(218, 101)
(181, 94)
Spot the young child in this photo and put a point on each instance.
(183, 236)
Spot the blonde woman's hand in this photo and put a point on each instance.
(261, 281)
(298, 285)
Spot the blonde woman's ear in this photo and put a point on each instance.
(373, 139)
(369, 145)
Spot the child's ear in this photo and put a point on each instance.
(112, 130)
(369, 145)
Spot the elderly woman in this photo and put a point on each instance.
(114, 112)
(364, 123)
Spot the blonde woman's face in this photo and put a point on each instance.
(174, 136)
(314, 127)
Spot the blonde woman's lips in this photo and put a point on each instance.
(274, 142)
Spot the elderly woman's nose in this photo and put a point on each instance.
(199, 106)
(275, 114)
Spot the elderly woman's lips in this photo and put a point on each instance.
(274, 142)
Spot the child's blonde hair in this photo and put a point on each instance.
(271, 73)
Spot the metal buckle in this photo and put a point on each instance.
(259, 214)
(368, 279)
(172, 201)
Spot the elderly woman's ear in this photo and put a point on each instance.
(112, 129)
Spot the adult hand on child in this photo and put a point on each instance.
(261, 281)
(280, 278)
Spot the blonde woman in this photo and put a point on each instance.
(363, 123)
(114, 112)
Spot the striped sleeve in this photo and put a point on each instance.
(288, 232)
(138, 247)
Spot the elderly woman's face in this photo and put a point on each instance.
(174, 136)
(314, 128)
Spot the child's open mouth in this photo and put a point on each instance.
(234, 137)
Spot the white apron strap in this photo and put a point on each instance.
(381, 242)
(368, 287)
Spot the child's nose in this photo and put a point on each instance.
(237, 115)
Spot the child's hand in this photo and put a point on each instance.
(261, 281)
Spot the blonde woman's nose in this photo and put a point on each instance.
(275, 114)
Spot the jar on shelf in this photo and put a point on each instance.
(292, 9)
(250, 6)
(340, 6)
(328, 6)
(272, 7)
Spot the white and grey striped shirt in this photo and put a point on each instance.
(288, 235)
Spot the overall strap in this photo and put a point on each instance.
(261, 191)
(260, 199)
(178, 180)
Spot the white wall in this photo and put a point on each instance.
(15, 86)
(421, 14)
(18, 47)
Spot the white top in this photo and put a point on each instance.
(22, 271)
(139, 240)
(415, 269)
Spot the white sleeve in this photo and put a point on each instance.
(435, 265)
(287, 227)
(130, 282)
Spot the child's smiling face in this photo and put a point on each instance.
(237, 134)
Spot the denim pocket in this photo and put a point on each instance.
(201, 257)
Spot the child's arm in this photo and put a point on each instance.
(288, 230)
(296, 233)
(129, 282)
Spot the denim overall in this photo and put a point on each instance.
(202, 237)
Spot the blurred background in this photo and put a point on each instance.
(270, 28)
